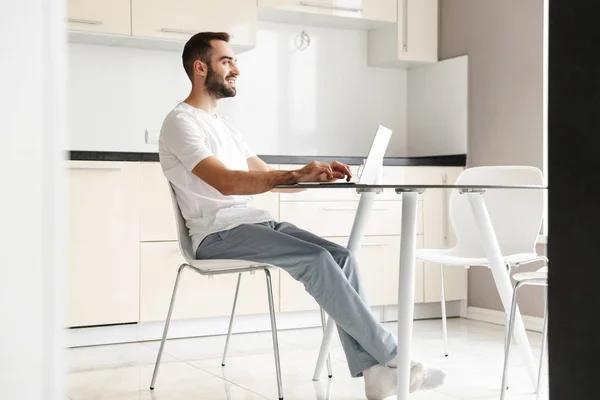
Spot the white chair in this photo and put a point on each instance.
(537, 278)
(216, 267)
(515, 214)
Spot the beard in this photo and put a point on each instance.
(216, 85)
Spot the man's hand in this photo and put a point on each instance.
(337, 166)
(318, 171)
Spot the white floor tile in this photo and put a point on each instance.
(191, 368)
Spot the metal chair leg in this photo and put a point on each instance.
(274, 333)
(166, 330)
(444, 322)
(323, 322)
(544, 333)
(511, 325)
(235, 298)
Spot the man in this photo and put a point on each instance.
(214, 173)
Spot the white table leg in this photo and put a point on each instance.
(501, 277)
(365, 206)
(406, 290)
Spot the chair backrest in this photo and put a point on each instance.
(516, 214)
(183, 236)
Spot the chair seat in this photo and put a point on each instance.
(213, 266)
(539, 275)
(451, 257)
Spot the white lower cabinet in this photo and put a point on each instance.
(103, 251)
(124, 256)
(198, 296)
(103, 284)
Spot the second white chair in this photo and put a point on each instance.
(515, 214)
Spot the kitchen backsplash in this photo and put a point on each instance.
(324, 100)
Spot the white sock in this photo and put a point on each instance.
(433, 377)
(381, 380)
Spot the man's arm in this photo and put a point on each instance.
(231, 182)
(257, 164)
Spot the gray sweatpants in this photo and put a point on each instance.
(329, 273)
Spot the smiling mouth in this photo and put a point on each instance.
(231, 81)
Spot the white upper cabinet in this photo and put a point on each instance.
(180, 19)
(355, 14)
(106, 16)
(412, 42)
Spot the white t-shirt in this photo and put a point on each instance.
(189, 135)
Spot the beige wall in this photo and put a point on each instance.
(504, 42)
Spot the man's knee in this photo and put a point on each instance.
(314, 263)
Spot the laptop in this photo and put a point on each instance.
(373, 164)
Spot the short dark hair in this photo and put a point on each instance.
(198, 47)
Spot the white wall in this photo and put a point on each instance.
(32, 199)
(324, 100)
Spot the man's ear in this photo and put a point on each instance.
(200, 68)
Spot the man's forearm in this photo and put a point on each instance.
(256, 182)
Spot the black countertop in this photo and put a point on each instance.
(455, 160)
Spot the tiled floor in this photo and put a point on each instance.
(191, 368)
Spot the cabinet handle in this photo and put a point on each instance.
(330, 7)
(85, 21)
(405, 26)
(353, 208)
(372, 244)
(445, 207)
(184, 31)
(94, 168)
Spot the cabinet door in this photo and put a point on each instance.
(418, 30)
(411, 42)
(103, 242)
(105, 16)
(198, 296)
(180, 19)
(375, 10)
(103, 283)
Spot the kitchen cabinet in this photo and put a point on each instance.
(357, 14)
(412, 42)
(106, 16)
(103, 250)
(123, 249)
(180, 19)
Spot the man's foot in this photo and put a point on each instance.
(381, 382)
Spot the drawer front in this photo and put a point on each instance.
(103, 284)
(336, 218)
(103, 202)
(198, 296)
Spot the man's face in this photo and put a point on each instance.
(222, 72)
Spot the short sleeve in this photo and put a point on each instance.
(182, 135)
(248, 152)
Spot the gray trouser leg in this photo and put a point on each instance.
(329, 273)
